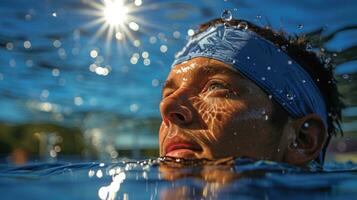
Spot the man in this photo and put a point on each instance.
(240, 90)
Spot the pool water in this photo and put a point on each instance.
(167, 178)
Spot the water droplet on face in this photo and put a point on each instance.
(242, 26)
(226, 15)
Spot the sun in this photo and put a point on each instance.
(115, 13)
(115, 19)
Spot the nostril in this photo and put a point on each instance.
(178, 116)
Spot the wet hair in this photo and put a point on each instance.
(321, 72)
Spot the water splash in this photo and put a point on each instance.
(226, 15)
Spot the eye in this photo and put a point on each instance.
(216, 86)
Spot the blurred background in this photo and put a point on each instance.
(81, 79)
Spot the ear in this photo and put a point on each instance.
(310, 137)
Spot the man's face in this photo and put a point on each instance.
(211, 111)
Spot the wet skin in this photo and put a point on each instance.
(211, 111)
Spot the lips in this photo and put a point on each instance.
(180, 148)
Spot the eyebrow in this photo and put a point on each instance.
(168, 84)
(218, 69)
(208, 70)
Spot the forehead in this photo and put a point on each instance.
(201, 66)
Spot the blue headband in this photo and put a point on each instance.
(263, 63)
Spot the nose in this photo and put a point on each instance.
(175, 110)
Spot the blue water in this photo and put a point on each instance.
(168, 179)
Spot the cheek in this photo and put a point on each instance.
(216, 113)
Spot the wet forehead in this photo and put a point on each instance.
(202, 66)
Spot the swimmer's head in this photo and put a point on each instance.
(228, 94)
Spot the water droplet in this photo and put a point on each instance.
(248, 57)
(55, 72)
(9, 46)
(190, 32)
(268, 68)
(176, 34)
(78, 100)
(263, 78)
(146, 62)
(290, 96)
(295, 144)
(266, 117)
(134, 26)
(290, 62)
(93, 53)
(134, 107)
(308, 47)
(226, 15)
(163, 48)
(27, 44)
(300, 26)
(242, 26)
(327, 60)
(345, 76)
(155, 82)
(145, 54)
(303, 81)
(152, 40)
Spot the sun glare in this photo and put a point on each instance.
(116, 19)
(115, 12)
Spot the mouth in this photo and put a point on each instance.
(182, 149)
